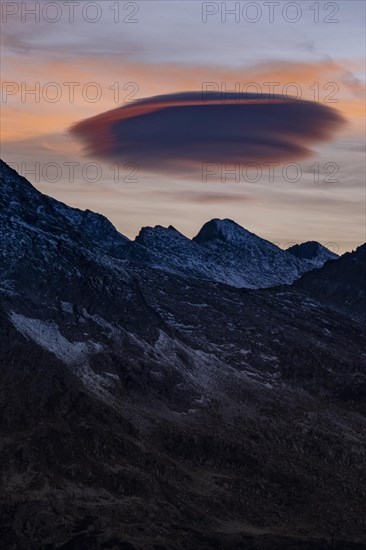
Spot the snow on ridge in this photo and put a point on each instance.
(222, 251)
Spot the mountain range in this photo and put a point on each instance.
(223, 251)
(168, 393)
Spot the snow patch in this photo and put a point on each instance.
(48, 336)
(73, 354)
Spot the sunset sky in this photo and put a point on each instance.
(84, 59)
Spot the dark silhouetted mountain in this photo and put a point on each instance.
(223, 251)
(340, 285)
(22, 204)
(312, 251)
(145, 410)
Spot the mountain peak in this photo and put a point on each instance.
(223, 230)
(150, 234)
(340, 285)
(222, 251)
(313, 251)
(7, 170)
(14, 187)
(20, 201)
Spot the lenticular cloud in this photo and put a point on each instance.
(181, 131)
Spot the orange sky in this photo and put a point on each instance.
(170, 50)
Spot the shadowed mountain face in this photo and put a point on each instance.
(340, 285)
(313, 252)
(141, 409)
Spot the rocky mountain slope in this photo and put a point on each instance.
(313, 252)
(340, 285)
(145, 410)
(222, 251)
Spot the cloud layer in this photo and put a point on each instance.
(183, 130)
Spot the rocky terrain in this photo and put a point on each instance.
(225, 252)
(340, 285)
(143, 407)
(313, 252)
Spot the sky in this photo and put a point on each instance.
(175, 112)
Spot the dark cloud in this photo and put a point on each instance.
(181, 131)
